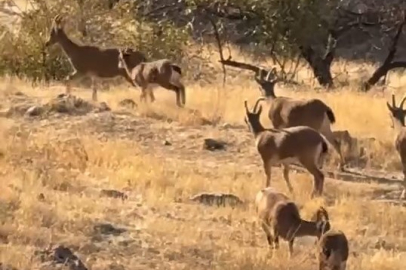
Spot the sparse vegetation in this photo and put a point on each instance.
(114, 182)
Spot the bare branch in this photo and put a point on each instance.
(220, 47)
(241, 65)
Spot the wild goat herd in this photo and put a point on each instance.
(302, 132)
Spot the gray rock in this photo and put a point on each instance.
(113, 194)
(107, 229)
(213, 144)
(34, 111)
(129, 103)
(218, 199)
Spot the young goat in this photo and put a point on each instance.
(284, 146)
(280, 217)
(91, 61)
(162, 72)
(286, 112)
(333, 251)
(398, 120)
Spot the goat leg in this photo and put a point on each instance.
(69, 80)
(267, 168)
(286, 169)
(94, 89)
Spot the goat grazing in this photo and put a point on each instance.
(333, 251)
(161, 72)
(90, 60)
(398, 120)
(286, 112)
(280, 217)
(285, 146)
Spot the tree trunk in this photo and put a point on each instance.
(388, 64)
(321, 66)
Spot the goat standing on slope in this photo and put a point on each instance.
(284, 146)
(398, 119)
(280, 217)
(286, 112)
(162, 72)
(90, 60)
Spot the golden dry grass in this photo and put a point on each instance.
(70, 159)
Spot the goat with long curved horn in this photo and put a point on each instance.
(398, 114)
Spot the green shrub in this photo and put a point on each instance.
(23, 53)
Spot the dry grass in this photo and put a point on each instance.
(70, 159)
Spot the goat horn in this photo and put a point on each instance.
(323, 212)
(256, 104)
(393, 101)
(273, 72)
(246, 106)
(403, 101)
(389, 106)
(58, 18)
(268, 76)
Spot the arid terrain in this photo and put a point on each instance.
(56, 162)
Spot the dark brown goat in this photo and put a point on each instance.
(280, 217)
(333, 251)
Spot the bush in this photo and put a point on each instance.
(23, 53)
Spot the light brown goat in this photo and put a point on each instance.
(287, 112)
(161, 72)
(285, 146)
(280, 217)
(398, 119)
(333, 251)
(90, 61)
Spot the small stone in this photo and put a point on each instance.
(41, 197)
(113, 194)
(106, 228)
(34, 111)
(129, 103)
(167, 143)
(219, 199)
(212, 144)
(103, 107)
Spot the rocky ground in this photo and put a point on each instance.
(87, 186)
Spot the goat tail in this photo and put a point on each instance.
(330, 115)
(176, 68)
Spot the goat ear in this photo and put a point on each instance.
(58, 20)
(323, 227)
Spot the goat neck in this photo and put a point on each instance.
(70, 47)
(397, 125)
(306, 228)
